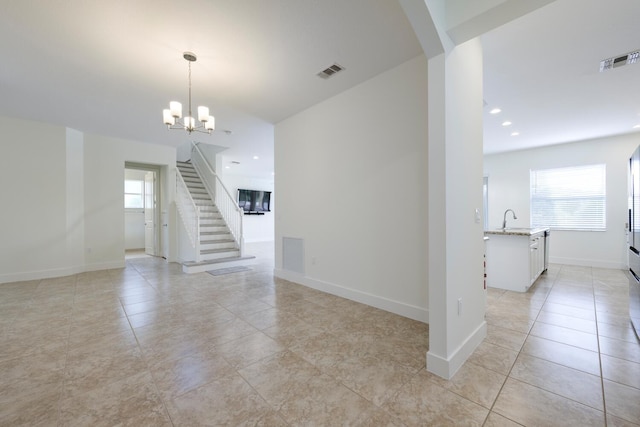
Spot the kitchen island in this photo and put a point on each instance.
(516, 257)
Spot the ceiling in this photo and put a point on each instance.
(111, 67)
(543, 71)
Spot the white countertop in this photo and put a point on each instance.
(516, 231)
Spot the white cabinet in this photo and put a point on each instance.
(515, 260)
(536, 257)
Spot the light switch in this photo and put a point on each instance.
(477, 216)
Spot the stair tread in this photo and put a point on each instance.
(218, 251)
(217, 261)
(212, 223)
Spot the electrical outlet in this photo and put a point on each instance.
(459, 306)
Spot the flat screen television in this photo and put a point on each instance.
(254, 202)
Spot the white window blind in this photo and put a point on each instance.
(572, 198)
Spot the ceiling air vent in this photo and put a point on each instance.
(330, 71)
(619, 61)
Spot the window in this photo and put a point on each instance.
(133, 194)
(571, 198)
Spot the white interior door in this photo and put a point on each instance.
(150, 213)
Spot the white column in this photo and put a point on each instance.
(456, 293)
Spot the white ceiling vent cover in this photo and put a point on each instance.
(330, 71)
(619, 61)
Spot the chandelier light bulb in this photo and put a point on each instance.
(169, 120)
(210, 124)
(189, 123)
(176, 109)
(203, 114)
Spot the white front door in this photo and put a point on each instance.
(149, 213)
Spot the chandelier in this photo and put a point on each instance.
(172, 115)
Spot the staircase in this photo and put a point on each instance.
(217, 244)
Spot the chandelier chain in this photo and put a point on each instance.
(190, 114)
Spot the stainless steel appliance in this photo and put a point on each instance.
(634, 240)
(547, 235)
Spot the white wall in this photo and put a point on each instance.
(105, 159)
(509, 188)
(63, 211)
(256, 228)
(75, 198)
(34, 200)
(351, 182)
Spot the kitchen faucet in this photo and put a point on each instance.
(504, 221)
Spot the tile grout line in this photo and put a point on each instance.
(142, 355)
(66, 354)
(519, 353)
(595, 314)
(597, 339)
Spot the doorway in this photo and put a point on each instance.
(142, 210)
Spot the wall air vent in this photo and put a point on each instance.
(233, 162)
(330, 71)
(619, 61)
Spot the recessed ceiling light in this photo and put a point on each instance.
(227, 167)
(495, 111)
(507, 123)
(515, 133)
(255, 157)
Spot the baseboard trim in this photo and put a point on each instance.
(588, 263)
(39, 275)
(58, 272)
(105, 266)
(406, 310)
(447, 367)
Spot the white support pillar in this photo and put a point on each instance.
(456, 288)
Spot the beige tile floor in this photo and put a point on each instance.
(150, 346)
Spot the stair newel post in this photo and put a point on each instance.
(197, 233)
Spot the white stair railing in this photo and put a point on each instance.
(224, 201)
(189, 212)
